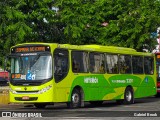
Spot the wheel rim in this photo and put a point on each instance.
(75, 98)
(128, 96)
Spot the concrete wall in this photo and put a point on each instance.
(4, 94)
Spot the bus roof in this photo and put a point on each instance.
(95, 47)
(98, 48)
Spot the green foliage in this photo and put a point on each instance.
(130, 22)
(127, 23)
(27, 21)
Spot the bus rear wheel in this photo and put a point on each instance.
(75, 99)
(40, 105)
(128, 96)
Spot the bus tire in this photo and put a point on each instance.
(128, 96)
(75, 99)
(40, 105)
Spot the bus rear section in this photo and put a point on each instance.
(158, 73)
(158, 88)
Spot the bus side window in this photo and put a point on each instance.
(79, 61)
(137, 63)
(97, 64)
(102, 68)
(75, 66)
(61, 64)
(94, 69)
(125, 64)
(148, 65)
(112, 63)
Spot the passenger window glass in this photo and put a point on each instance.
(112, 63)
(148, 65)
(137, 63)
(125, 64)
(97, 64)
(79, 61)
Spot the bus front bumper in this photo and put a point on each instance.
(31, 98)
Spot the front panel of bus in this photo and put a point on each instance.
(31, 74)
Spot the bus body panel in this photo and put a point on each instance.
(32, 94)
(95, 86)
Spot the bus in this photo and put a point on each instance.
(47, 73)
(158, 73)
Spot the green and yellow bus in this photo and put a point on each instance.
(48, 73)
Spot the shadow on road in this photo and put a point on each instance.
(107, 104)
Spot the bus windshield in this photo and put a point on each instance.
(32, 67)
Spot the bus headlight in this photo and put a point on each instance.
(12, 91)
(44, 89)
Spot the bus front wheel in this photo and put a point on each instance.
(128, 96)
(75, 99)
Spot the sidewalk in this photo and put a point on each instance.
(4, 100)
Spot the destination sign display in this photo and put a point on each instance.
(30, 49)
(158, 56)
(17, 76)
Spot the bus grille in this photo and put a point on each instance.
(30, 99)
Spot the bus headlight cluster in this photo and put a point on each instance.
(44, 89)
(12, 91)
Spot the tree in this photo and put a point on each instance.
(27, 21)
(130, 22)
(127, 23)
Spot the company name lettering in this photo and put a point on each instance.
(91, 80)
(123, 81)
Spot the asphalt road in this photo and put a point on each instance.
(144, 108)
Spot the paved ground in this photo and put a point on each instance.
(11, 105)
(60, 112)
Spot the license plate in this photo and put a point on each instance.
(25, 98)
